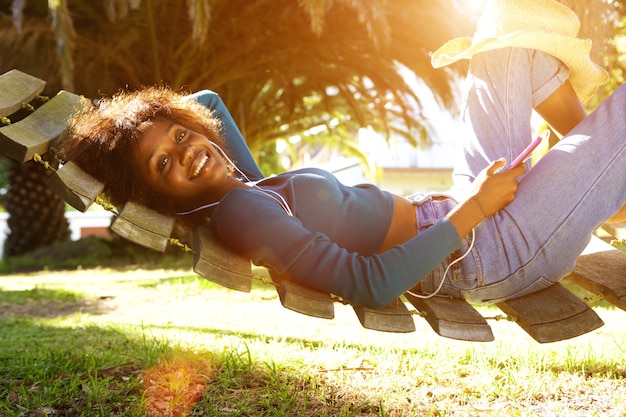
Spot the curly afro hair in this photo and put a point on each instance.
(102, 139)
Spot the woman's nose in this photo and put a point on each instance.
(186, 154)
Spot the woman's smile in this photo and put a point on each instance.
(200, 165)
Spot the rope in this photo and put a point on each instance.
(618, 242)
(46, 164)
(263, 279)
(177, 243)
(25, 106)
(28, 106)
(500, 317)
(594, 298)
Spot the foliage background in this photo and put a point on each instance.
(314, 69)
(281, 66)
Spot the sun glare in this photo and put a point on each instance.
(172, 387)
(473, 7)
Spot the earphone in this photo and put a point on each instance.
(443, 279)
(271, 193)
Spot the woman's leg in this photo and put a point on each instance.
(503, 87)
(573, 189)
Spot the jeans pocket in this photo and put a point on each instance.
(505, 290)
(459, 274)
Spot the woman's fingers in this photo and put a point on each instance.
(496, 166)
(495, 188)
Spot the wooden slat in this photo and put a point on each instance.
(453, 318)
(75, 186)
(552, 314)
(40, 130)
(393, 318)
(16, 88)
(218, 264)
(303, 300)
(617, 230)
(144, 226)
(601, 269)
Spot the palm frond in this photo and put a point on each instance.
(199, 12)
(64, 32)
(17, 11)
(281, 66)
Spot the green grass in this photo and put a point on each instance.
(79, 343)
(91, 252)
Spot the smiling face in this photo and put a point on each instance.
(181, 165)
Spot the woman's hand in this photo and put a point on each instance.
(493, 189)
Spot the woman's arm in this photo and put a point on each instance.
(236, 143)
(257, 227)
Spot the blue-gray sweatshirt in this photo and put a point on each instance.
(331, 242)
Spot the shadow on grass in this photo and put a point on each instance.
(48, 303)
(49, 370)
(96, 369)
(90, 252)
(91, 370)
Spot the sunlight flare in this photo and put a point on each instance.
(172, 387)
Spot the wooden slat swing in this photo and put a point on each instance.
(552, 314)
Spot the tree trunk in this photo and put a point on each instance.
(36, 213)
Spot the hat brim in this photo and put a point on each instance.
(585, 75)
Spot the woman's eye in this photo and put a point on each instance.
(181, 136)
(163, 163)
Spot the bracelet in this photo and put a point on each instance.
(480, 207)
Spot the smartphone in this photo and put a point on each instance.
(529, 149)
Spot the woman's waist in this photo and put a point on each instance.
(403, 224)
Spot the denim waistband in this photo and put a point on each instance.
(429, 209)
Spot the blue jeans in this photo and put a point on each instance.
(579, 184)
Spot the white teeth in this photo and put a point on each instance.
(200, 166)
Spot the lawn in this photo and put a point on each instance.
(104, 342)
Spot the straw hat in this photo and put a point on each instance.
(545, 25)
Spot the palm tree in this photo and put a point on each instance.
(281, 66)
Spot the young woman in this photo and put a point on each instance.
(362, 243)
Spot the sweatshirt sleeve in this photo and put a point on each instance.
(272, 239)
(236, 143)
